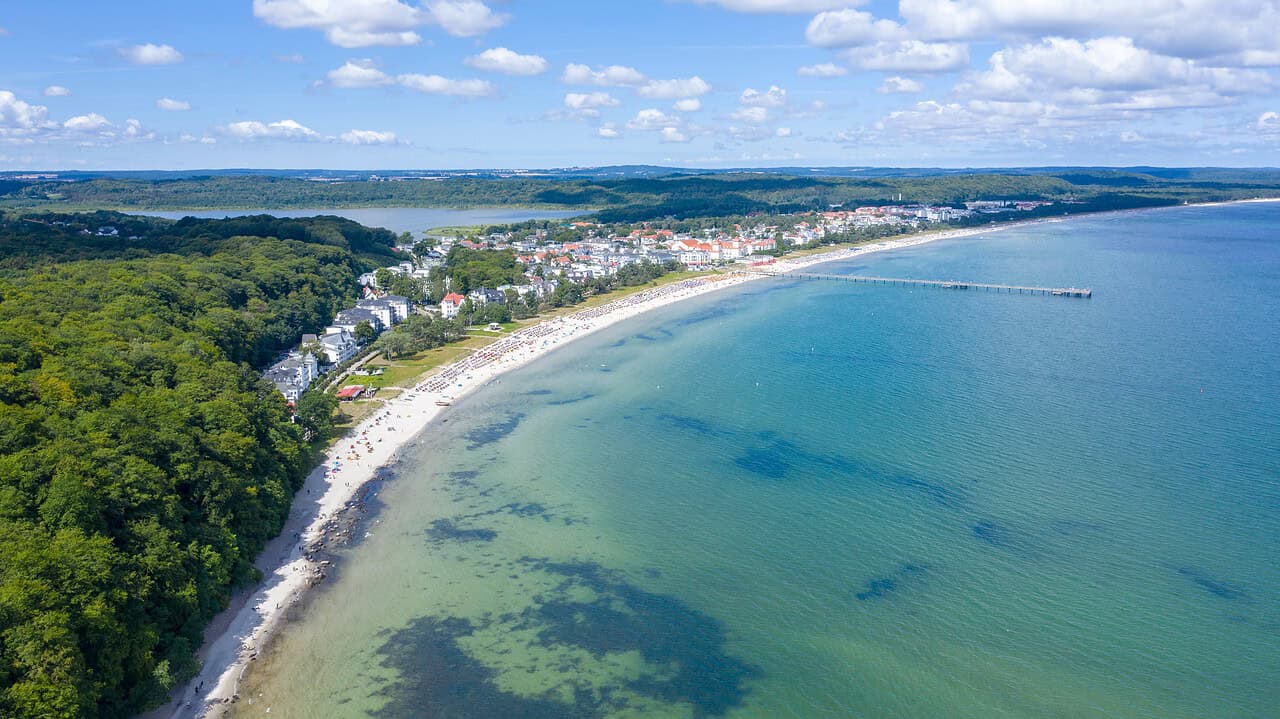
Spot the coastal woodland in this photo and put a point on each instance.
(143, 463)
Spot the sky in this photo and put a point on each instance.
(448, 84)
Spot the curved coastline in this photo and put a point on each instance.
(291, 564)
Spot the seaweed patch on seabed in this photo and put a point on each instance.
(1217, 587)
(570, 400)
(881, 587)
(446, 530)
(593, 612)
(490, 433)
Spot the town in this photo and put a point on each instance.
(561, 259)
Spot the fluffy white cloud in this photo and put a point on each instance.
(752, 115)
(781, 6)
(691, 104)
(1107, 73)
(18, 117)
(171, 105)
(359, 73)
(150, 54)
(910, 56)
(609, 131)
(848, 28)
(610, 76)
(652, 119)
(437, 85)
(505, 61)
(1234, 31)
(673, 89)
(1268, 122)
(895, 84)
(826, 69)
(674, 134)
(583, 101)
(281, 130)
(464, 18)
(773, 97)
(783, 132)
(133, 130)
(349, 23)
(368, 137)
(93, 122)
(56, 91)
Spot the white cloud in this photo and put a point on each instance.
(1129, 137)
(464, 18)
(780, 6)
(56, 91)
(848, 28)
(609, 131)
(1268, 122)
(368, 137)
(673, 89)
(150, 54)
(437, 85)
(18, 117)
(583, 101)
(93, 122)
(895, 84)
(826, 69)
(783, 132)
(294, 59)
(1107, 73)
(752, 115)
(674, 134)
(502, 60)
(910, 56)
(349, 23)
(171, 105)
(1236, 32)
(133, 130)
(610, 76)
(281, 130)
(773, 97)
(652, 119)
(691, 104)
(359, 73)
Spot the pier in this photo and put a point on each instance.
(939, 284)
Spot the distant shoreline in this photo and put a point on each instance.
(291, 563)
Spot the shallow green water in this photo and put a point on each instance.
(826, 500)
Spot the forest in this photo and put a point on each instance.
(635, 199)
(143, 463)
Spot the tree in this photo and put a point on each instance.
(394, 344)
(315, 413)
(317, 350)
(364, 332)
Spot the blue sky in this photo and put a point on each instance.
(362, 84)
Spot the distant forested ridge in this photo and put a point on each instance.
(143, 463)
(635, 199)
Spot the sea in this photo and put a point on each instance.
(825, 499)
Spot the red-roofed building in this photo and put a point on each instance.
(451, 304)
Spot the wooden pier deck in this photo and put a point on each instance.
(940, 284)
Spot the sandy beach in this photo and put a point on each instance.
(293, 562)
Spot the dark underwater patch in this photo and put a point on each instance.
(881, 587)
(539, 393)
(992, 533)
(683, 648)
(687, 644)
(490, 433)
(940, 493)
(774, 461)
(714, 312)
(620, 343)
(438, 680)
(1217, 587)
(570, 400)
(446, 530)
(693, 424)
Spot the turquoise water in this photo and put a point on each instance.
(819, 499)
(396, 219)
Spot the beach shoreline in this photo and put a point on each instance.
(294, 563)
